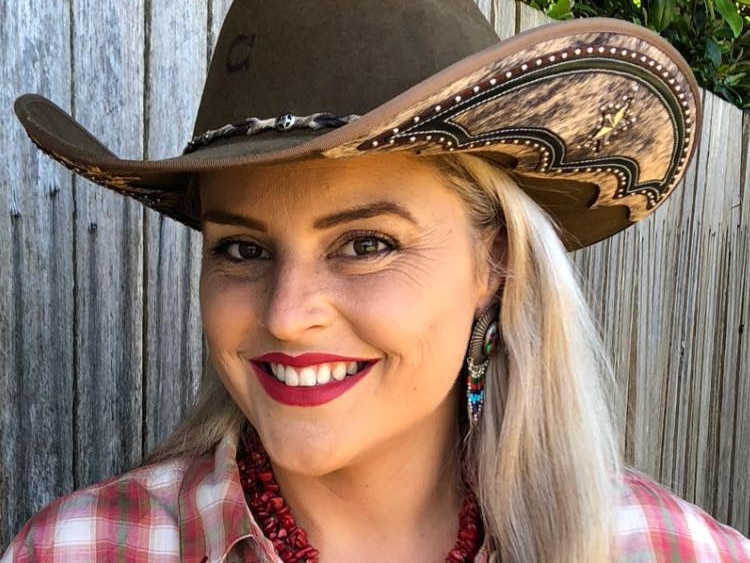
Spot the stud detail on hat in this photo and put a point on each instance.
(543, 149)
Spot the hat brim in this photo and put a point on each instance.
(596, 119)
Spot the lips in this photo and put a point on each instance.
(309, 379)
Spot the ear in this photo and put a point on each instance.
(493, 273)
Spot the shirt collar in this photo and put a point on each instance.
(212, 509)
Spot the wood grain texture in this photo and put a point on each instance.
(738, 485)
(36, 263)
(108, 81)
(504, 18)
(173, 350)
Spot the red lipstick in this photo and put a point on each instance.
(304, 360)
(303, 396)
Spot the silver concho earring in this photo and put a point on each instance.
(483, 342)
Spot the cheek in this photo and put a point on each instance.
(226, 309)
(420, 322)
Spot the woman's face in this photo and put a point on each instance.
(337, 300)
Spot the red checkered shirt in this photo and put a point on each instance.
(195, 511)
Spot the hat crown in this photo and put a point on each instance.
(338, 56)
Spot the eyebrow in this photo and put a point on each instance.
(226, 218)
(368, 211)
(364, 212)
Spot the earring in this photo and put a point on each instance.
(483, 342)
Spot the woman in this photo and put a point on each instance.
(402, 367)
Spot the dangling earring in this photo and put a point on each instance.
(483, 342)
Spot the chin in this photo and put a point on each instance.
(312, 453)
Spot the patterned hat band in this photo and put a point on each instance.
(254, 125)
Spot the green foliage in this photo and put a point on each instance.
(713, 35)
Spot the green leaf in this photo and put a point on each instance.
(710, 8)
(713, 52)
(559, 10)
(734, 79)
(661, 14)
(729, 12)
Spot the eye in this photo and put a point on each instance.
(240, 251)
(362, 245)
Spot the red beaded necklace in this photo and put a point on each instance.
(273, 516)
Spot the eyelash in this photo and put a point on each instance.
(221, 248)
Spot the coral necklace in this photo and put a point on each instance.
(273, 516)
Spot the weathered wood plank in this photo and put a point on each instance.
(173, 339)
(485, 6)
(108, 42)
(529, 18)
(680, 372)
(36, 261)
(720, 177)
(728, 307)
(504, 14)
(738, 485)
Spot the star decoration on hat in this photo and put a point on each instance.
(615, 118)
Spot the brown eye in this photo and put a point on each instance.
(240, 251)
(369, 245)
(366, 245)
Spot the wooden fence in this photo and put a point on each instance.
(94, 370)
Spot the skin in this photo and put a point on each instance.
(402, 288)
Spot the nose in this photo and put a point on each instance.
(299, 300)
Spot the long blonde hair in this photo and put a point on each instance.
(543, 459)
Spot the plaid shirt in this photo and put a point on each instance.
(195, 511)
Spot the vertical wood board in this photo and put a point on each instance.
(36, 286)
(173, 345)
(108, 85)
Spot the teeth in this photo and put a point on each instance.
(324, 374)
(307, 377)
(291, 377)
(278, 371)
(339, 371)
(314, 375)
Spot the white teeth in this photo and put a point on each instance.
(324, 374)
(291, 377)
(307, 377)
(339, 371)
(279, 371)
(314, 375)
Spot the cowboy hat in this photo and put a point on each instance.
(596, 119)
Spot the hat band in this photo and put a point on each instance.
(282, 123)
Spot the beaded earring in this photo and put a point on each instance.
(483, 342)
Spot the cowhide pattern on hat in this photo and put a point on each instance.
(606, 108)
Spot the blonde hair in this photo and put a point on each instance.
(543, 459)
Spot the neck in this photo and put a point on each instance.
(413, 483)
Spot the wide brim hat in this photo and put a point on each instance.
(596, 119)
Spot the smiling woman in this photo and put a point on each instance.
(373, 290)
(402, 367)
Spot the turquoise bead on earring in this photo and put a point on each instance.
(482, 344)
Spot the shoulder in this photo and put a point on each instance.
(653, 524)
(136, 512)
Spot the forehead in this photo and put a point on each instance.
(355, 181)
